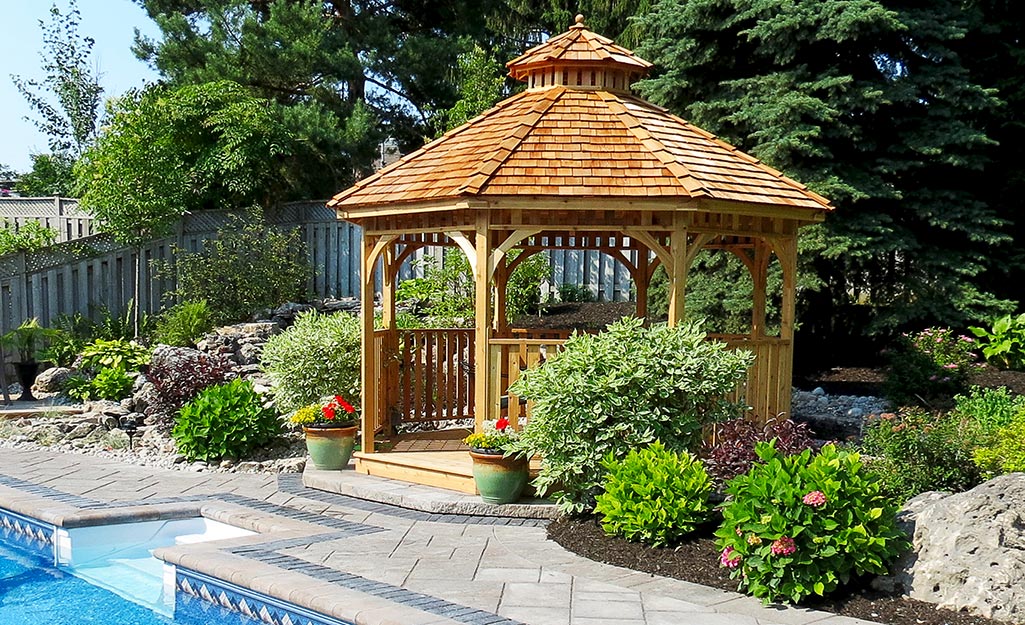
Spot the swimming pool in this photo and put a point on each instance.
(33, 590)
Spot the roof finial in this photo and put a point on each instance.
(579, 21)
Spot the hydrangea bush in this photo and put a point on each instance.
(800, 525)
(930, 365)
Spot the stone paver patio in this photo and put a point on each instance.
(373, 563)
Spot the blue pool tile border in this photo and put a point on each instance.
(259, 606)
(28, 527)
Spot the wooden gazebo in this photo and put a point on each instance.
(575, 161)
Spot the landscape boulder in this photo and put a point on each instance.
(969, 550)
(51, 380)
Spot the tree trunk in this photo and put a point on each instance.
(138, 290)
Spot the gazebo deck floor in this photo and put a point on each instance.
(438, 458)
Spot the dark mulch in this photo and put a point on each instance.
(697, 561)
(578, 315)
(869, 380)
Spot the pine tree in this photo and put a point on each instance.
(867, 103)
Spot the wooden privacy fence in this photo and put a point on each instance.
(80, 275)
(57, 213)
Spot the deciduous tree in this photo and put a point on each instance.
(67, 100)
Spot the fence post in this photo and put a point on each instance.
(23, 285)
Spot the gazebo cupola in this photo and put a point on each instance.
(573, 162)
(579, 59)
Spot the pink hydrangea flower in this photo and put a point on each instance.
(728, 559)
(815, 498)
(783, 546)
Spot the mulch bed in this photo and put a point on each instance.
(697, 561)
(869, 380)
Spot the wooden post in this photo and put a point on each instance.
(759, 276)
(390, 385)
(678, 275)
(368, 363)
(641, 283)
(482, 310)
(501, 320)
(786, 251)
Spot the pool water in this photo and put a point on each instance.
(33, 591)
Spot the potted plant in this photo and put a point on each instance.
(330, 430)
(27, 339)
(500, 474)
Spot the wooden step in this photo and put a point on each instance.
(452, 470)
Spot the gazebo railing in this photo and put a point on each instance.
(510, 357)
(762, 389)
(433, 374)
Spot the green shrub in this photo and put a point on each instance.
(914, 451)
(930, 366)
(990, 408)
(249, 266)
(591, 400)
(184, 324)
(801, 525)
(110, 383)
(225, 420)
(523, 288)
(653, 495)
(1004, 452)
(575, 293)
(114, 354)
(31, 236)
(1004, 345)
(316, 357)
(445, 291)
(121, 326)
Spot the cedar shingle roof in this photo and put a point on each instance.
(578, 141)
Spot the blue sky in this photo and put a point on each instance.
(110, 22)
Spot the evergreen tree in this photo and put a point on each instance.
(395, 58)
(994, 52)
(867, 103)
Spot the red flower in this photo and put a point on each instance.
(501, 424)
(346, 406)
(329, 412)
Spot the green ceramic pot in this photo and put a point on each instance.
(499, 480)
(330, 448)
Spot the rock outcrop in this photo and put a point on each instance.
(969, 550)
